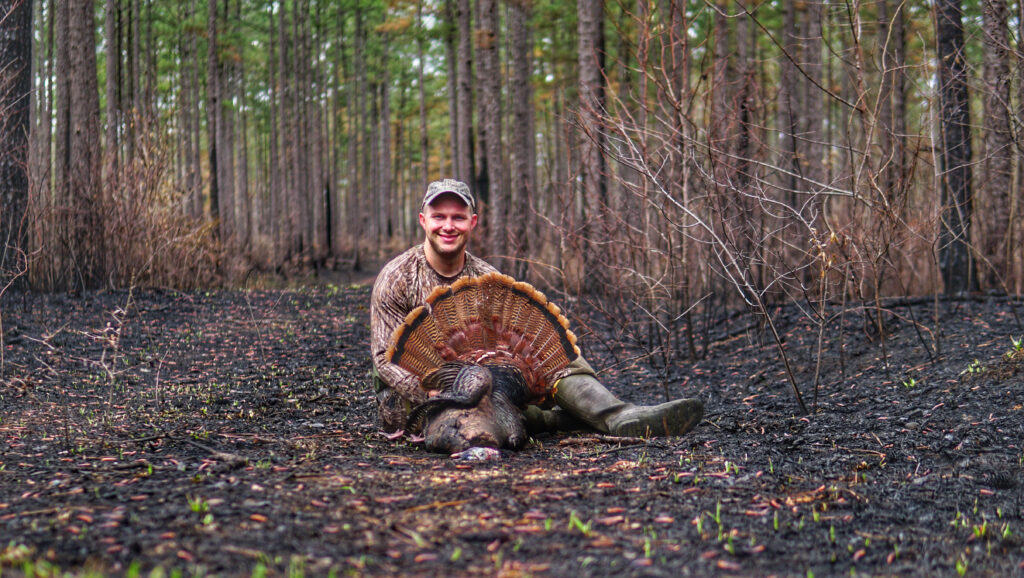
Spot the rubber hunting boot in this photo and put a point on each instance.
(555, 420)
(588, 399)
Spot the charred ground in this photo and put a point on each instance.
(232, 433)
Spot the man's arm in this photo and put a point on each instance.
(388, 308)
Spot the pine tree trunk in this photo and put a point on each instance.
(15, 85)
(594, 191)
(891, 92)
(212, 110)
(226, 147)
(44, 227)
(997, 165)
(523, 139)
(451, 58)
(424, 139)
(424, 136)
(82, 148)
(812, 115)
(789, 108)
(490, 95)
(274, 211)
(358, 217)
(1017, 203)
(132, 104)
(195, 154)
(244, 212)
(465, 169)
(383, 180)
(339, 119)
(183, 134)
(149, 72)
(313, 118)
(677, 251)
(955, 260)
(372, 175)
(112, 37)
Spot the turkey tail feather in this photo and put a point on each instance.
(488, 319)
(413, 343)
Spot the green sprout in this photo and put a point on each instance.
(197, 504)
(974, 368)
(577, 523)
(980, 531)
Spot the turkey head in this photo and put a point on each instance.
(484, 348)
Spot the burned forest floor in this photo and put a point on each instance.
(232, 433)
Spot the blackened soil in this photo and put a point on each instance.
(233, 433)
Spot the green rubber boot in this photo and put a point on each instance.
(586, 398)
(555, 420)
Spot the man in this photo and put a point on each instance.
(448, 216)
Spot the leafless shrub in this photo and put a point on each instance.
(724, 210)
(145, 236)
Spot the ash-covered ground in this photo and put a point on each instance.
(232, 433)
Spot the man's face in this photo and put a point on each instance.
(448, 222)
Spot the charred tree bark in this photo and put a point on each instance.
(892, 93)
(15, 86)
(274, 210)
(212, 109)
(487, 38)
(997, 164)
(242, 200)
(812, 115)
(523, 139)
(226, 138)
(451, 33)
(383, 173)
(465, 168)
(112, 33)
(955, 260)
(788, 119)
(424, 137)
(79, 148)
(593, 182)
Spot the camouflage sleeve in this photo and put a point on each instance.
(388, 308)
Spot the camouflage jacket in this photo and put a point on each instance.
(402, 285)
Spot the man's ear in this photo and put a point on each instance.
(473, 220)
(423, 221)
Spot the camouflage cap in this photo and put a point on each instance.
(438, 188)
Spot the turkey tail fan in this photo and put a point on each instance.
(538, 331)
(489, 319)
(415, 344)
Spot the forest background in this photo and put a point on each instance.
(671, 158)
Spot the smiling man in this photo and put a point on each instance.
(448, 217)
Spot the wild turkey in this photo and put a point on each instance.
(490, 345)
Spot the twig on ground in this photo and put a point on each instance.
(232, 460)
